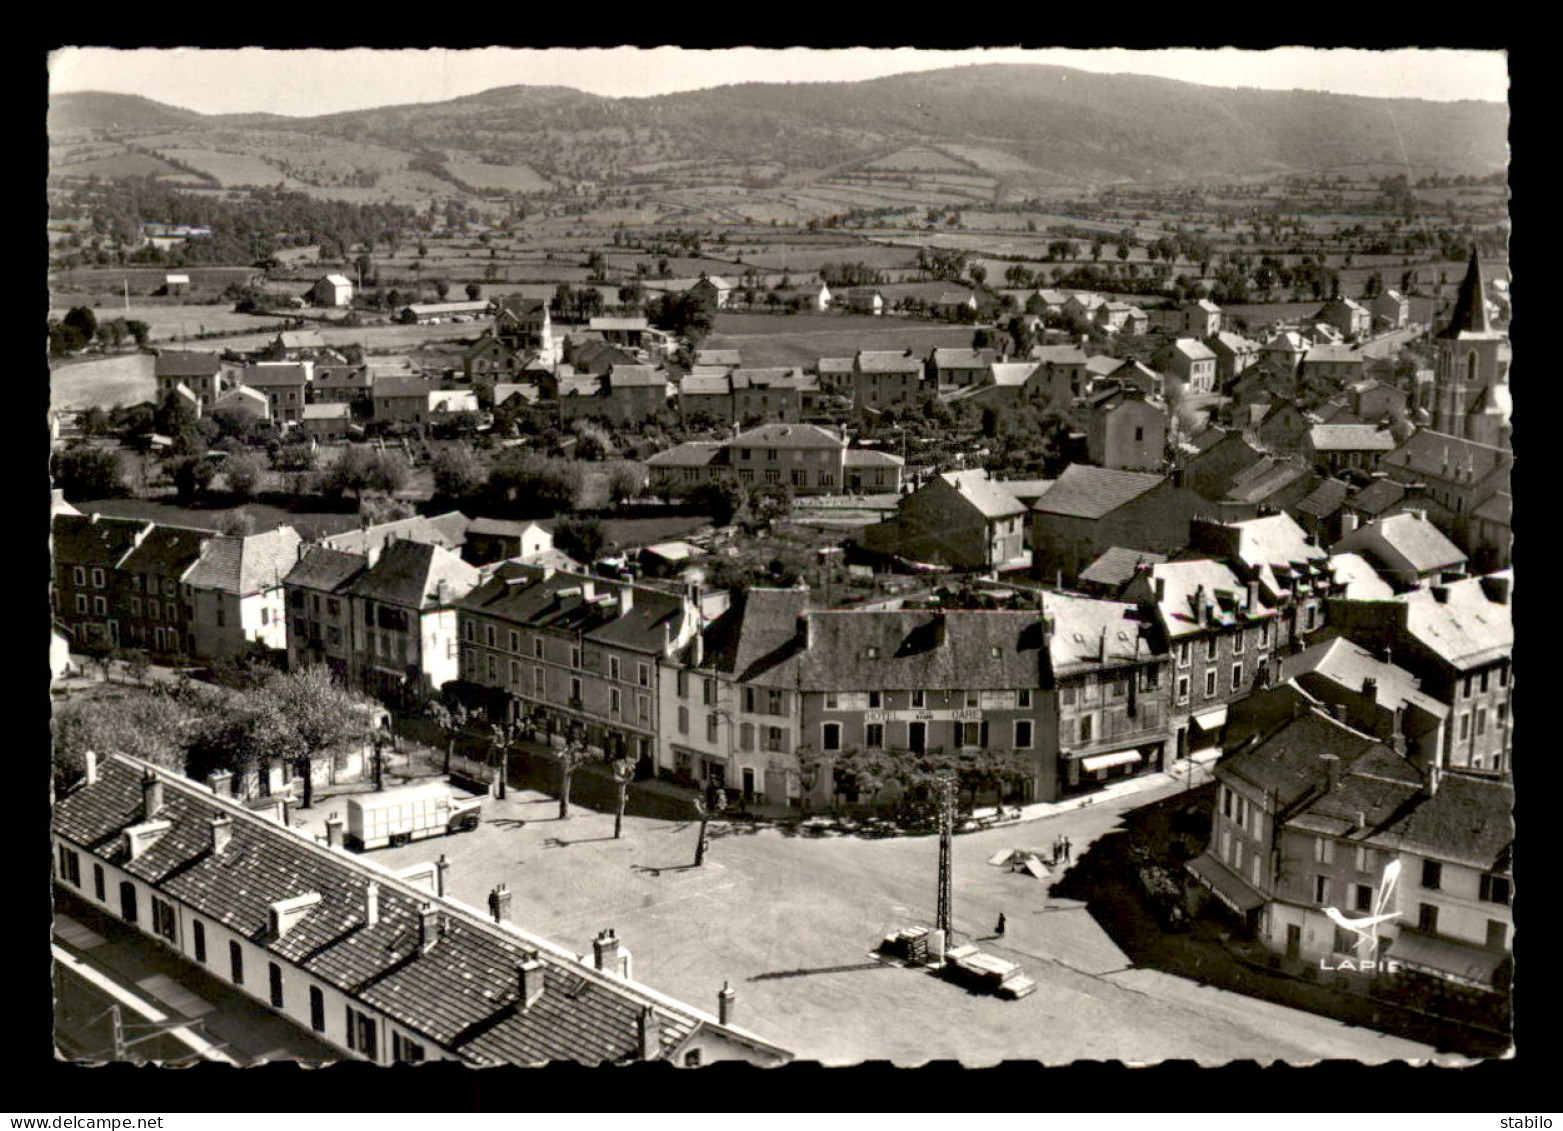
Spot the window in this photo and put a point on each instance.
(235, 963)
(1022, 699)
(1310, 618)
(100, 607)
(165, 920)
(876, 700)
(1237, 676)
(1211, 644)
(405, 1051)
(1237, 642)
(708, 693)
(70, 866)
(773, 475)
(334, 607)
(683, 719)
(1342, 942)
(1264, 636)
(874, 736)
(1432, 875)
(613, 667)
(1323, 850)
(692, 1058)
(98, 887)
(1363, 858)
(1210, 683)
(275, 973)
(1022, 734)
(362, 1036)
(79, 575)
(1066, 696)
(1494, 889)
(1427, 918)
(643, 675)
(1183, 689)
(1185, 650)
(1321, 889)
(746, 736)
(537, 649)
(712, 727)
(1481, 721)
(575, 657)
(1485, 675)
(81, 602)
(515, 641)
(1465, 692)
(317, 1009)
(491, 667)
(775, 740)
(539, 683)
(1497, 934)
(800, 477)
(1465, 727)
(1363, 897)
(575, 690)
(683, 684)
(135, 606)
(973, 734)
(1085, 728)
(97, 583)
(774, 703)
(746, 475)
(830, 736)
(615, 703)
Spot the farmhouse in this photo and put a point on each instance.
(963, 519)
(205, 374)
(427, 312)
(882, 378)
(283, 383)
(327, 423)
(523, 323)
(332, 290)
(713, 291)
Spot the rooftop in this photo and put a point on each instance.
(1085, 491)
(248, 563)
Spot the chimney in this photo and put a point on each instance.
(1497, 589)
(531, 979)
(428, 927)
(1359, 822)
(221, 782)
(440, 588)
(1348, 523)
(372, 904)
(724, 1003)
(441, 875)
(151, 795)
(1253, 597)
(650, 1035)
(334, 830)
(606, 951)
(499, 904)
(222, 834)
(803, 630)
(626, 598)
(1435, 773)
(1049, 626)
(1370, 690)
(1331, 769)
(1161, 589)
(91, 758)
(1440, 594)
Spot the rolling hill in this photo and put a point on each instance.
(1045, 123)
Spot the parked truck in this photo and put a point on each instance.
(377, 820)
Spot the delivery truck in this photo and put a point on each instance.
(378, 820)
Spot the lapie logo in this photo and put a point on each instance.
(1364, 927)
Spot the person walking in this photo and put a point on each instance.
(1068, 850)
(999, 930)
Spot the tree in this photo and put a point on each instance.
(452, 719)
(720, 500)
(192, 476)
(309, 714)
(570, 756)
(474, 292)
(442, 288)
(176, 418)
(625, 482)
(537, 485)
(243, 473)
(138, 330)
(150, 724)
(584, 539)
(358, 470)
(375, 508)
(83, 321)
(84, 473)
(64, 339)
(621, 764)
(458, 472)
(237, 523)
(978, 274)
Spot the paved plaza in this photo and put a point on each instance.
(790, 921)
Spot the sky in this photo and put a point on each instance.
(307, 82)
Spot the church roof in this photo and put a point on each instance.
(1470, 306)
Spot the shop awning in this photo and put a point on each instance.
(1106, 761)
(1225, 884)
(1212, 720)
(1463, 962)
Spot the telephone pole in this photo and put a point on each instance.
(946, 788)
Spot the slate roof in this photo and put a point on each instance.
(521, 593)
(888, 361)
(248, 563)
(1468, 820)
(695, 453)
(990, 498)
(870, 457)
(301, 340)
(342, 377)
(636, 376)
(896, 651)
(266, 374)
(1441, 456)
(838, 365)
(390, 388)
(187, 363)
(1417, 543)
(1116, 566)
(758, 632)
(1192, 348)
(371, 538)
(1084, 491)
(501, 526)
(521, 305)
(1325, 499)
(338, 411)
(1467, 630)
(730, 358)
(1083, 625)
(1498, 508)
(787, 436)
(1332, 355)
(1186, 581)
(325, 569)
(1347, 664)
(1259, 481)
(92, 540)
(409, 574)
(1362, 581)
(1378, 496)
(1058, 355)
(1378, 788)
(702, 385)
(167, 551)
(460, 993)
(774, 377)
(957, 358)
(1289, 760)
(602, 324)
(504, 390)
(1008, 374)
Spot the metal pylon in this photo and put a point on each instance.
(946, 833)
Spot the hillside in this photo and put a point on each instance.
(1019, 124)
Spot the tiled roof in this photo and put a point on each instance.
(957, 358)
(775, 377)
(695, 453)
(1083, 491)
(460, 992)
(787, 436)
(410, 573)
(326, 570)
(1325, 499)
(636, 376)
(301, 339)
(870, 457)
(501, 526)
(341, 377)
(1409, 540)
(1350, 438)
(338, 411)
(888, 361)
(706, 386)
(249, 563)
(1187, 581)
(990, 498)
(1116, 566)
(1348, 665)
(729, 358)
(265, 374)
(187, 363)
(1289, 761)
(1058, 355)
(392, 387)
(1466, 630)
(524, 595)
(1193, 349)
(834, 365)
(453, 525)
(1332, 354)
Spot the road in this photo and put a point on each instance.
(790, 921)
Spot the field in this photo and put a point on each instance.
(232, 168)
(507, 178)
(109, 381)
(311, 524)
(116, 165)
(802, 339)
(179, 322)
(918, 159)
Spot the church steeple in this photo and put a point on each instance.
(1470, 306)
